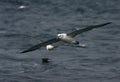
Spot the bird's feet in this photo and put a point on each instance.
(82, 45)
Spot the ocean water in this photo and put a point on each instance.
(44, 19)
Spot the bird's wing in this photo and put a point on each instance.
(41, 45)
(76, 32)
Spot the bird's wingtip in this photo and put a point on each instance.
(23, 52)
(108, 23)
(105, 24)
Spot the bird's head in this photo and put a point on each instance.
(62, 35)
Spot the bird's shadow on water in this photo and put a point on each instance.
(42, 68)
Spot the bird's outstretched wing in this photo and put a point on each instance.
(41, 45)
(76, 32)
(72, 34)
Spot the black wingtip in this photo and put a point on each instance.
(107, 23)
(29, 50)
(24, 51)
(100, 25)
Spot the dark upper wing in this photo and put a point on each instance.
(76, 32)
(41, 45)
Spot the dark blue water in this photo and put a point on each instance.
(42, 20)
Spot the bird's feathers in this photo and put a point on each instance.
(71, 34)
(76, 32)
(41, 45)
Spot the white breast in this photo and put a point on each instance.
(65, 37)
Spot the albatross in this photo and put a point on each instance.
(65, 37)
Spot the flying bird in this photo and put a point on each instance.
(65, 37)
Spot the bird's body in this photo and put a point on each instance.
(65, 37)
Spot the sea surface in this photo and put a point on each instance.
(41, 20)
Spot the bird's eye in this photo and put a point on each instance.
(59, 36)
